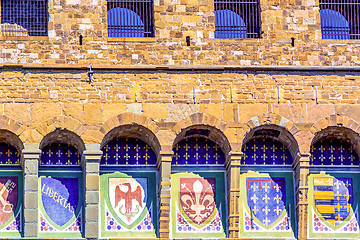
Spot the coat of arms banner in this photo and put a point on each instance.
(198, 205)
(127, 204)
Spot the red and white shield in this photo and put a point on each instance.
(127, 198)
(197, 198)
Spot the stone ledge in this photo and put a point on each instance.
(131, 39)
(24, 38)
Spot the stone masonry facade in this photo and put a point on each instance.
(164, 86)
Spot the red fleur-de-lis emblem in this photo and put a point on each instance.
(197, 198)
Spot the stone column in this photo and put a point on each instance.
(31, 159)
(91, 167)
(301, 166)
(164, 166)
(233, 178)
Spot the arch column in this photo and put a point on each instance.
(233, 177)
(301, 166)
(91, 174)
(164, 166)
(31, 158)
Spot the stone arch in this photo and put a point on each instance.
(63, 136)
(126, 127)
(335, 120)
(11, 125)
(129, 119)
(276, 132)
(339, 133)
(205, 131)
(199, 119)
(60, 122)
(270, 119)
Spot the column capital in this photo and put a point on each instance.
(166, 153)
(31, 151)
(234, 159)
(92, 153)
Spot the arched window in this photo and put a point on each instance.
(198, 181)
(229, 24)
(333, 152)
(132, 18)
(237, 19)
(24, 17)
(340, 19)
(11, 189)
(60, 186)
(128, 192)
(60, 154)
(334, 25)
(266, 151)
(128, 151)
(267, 187)
(334, 185)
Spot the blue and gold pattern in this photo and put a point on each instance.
(197, 151)
(128, 151)
(60, 154)
(9, 154)
(333, 198)
(266, 198)
(333, 152)
(266, 151)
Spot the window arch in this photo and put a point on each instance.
(237, 19)
(266, 184)
(333, 152)
(229, 24)
(333, 183)
(132, 18)
(266, 151)
(11, 185)
(60, 154)
(128, 170)
(61, 198)
(24, 17)
(334, 25)
(198, 167)
(127, 151)
(340, 19)
(195, 151)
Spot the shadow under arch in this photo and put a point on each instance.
(63, 136)
(277, 133)
(207, 132)
(11, 139)
(133, 131)
(339, 133)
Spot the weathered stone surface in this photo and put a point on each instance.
(248, 111)
(317, 112)
(92, 182)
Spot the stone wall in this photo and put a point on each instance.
(174, 20)
(159, 84)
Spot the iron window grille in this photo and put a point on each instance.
(237, 19)
(130, 18)
(340, 19)
(24, 17)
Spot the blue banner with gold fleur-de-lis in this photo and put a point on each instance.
(197, 151)
(128, 151)
(333, 152)
(9, 155)
(266, 198)
(266, 151)
(60, 154)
